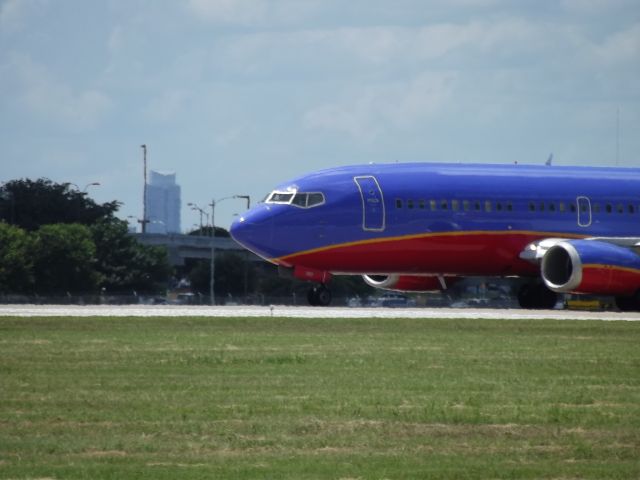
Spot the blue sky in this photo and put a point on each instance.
(236, 96)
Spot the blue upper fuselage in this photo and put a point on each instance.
(368, 203)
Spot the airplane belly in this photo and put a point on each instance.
(454, 253)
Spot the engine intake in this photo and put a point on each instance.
(562, 268)
(591, 266)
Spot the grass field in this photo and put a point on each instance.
(167, 398)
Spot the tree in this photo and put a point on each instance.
(16, 261)
(126, 265)
(66, 255)
(230, 275)
(30, 204)
(206, 232)
(64, 258)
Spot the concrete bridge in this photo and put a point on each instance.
(181, 246)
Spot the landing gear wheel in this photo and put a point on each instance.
(537, 297)
(319, 296)
(629, 304)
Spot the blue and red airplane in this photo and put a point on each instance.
(422, 226)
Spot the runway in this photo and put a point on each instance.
(303, 312)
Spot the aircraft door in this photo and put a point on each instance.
(373, 213)
(584, 211)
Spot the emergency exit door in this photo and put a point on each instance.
(373, 213)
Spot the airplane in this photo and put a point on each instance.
(415, 227)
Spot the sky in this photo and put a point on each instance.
(237, 96)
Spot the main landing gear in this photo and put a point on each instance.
(537, 296)
(319, 296)
(629, 304)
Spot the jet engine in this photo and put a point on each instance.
(591, 266)
(407, 283)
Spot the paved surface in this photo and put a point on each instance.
(302, 312)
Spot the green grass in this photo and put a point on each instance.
(166, 398)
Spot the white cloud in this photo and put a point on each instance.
(322, 51)
(167, 106)
(251, 13)
(14, 14)
(55, 101)
(596, 7)
(622, 47)
(243, 12)
(377, 108)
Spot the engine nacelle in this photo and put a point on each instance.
(407, 283)
(591, 266)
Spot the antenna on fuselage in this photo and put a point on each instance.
(549, 160)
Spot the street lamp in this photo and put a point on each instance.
(84, 190)
(212, 280)
(144, 220)
(92, 184)
(202, 212)
(246, 197)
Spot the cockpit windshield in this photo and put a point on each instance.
(280, 197)
(299, 199)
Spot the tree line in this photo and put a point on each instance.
(54, 239)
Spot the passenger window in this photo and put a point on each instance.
(542, 206)
(487, 206)
(532, 207)
(572, 207)
(631, 209)
(466, 205)
(455, 205)
(552, 207)
(432, 205)
(444, 205)
(421, 204)
(509, 207)
(596, 208)
(499, 206)
(476, 206)
(410, 204)
(398, 203)
(620, 208)
(561, 207)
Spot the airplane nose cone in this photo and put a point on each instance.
(254, 231)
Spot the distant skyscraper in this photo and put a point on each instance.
(163, 203)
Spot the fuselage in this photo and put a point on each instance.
(441, 219)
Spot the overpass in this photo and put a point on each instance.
(180, 246)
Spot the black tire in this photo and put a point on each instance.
(629, 304)
(319, 296)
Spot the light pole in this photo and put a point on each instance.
(84, 190)
(202, 212)
(144, 220)
(212, 279)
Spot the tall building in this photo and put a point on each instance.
(163, 203)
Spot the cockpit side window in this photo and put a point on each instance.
(314, 199)
(308, 200)
(299, 199)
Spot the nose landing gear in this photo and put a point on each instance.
(319, 296)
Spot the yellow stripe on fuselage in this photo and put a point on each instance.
(635, 271)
